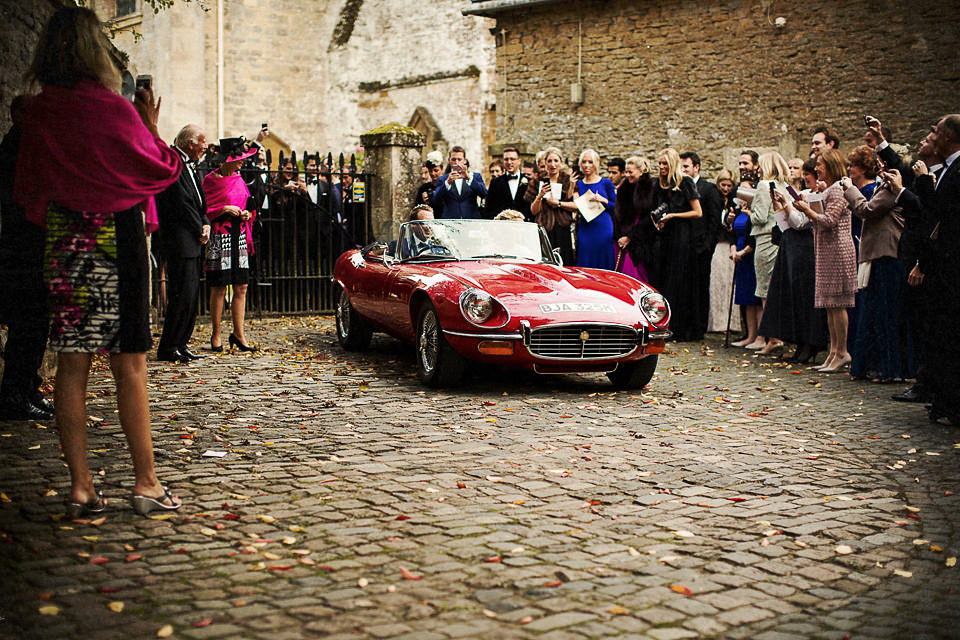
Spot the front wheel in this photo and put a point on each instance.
(438, 365)
(634, 375)
(353, 332)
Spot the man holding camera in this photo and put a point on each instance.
(458, 192)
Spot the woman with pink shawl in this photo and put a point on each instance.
(89, 165)
(227, 261)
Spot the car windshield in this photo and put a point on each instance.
(426, 240)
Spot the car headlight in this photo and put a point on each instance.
(655, 307)
(477, 306)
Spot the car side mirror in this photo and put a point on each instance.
(557, 257)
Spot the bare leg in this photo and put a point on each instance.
(753, 321)
(842, 326)
(237, 310)
(130, 375)
(216, 314)
(70, 398)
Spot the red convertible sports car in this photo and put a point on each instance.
(492, 291)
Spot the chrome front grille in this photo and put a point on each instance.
(582, 341)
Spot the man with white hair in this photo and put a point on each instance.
(184, 229)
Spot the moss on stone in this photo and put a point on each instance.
(392, 127)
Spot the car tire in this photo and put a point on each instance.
(438, 365)
(353, 332)
(634, 375)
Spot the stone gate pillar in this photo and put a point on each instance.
(392, 153)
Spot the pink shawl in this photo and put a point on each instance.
(87, 149)
(230, 190)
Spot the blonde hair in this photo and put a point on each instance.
(553, 150)
(510, 214)
(640, 163)
(774, 167)
(74, 47)
(593, 155)
(675, 175)
(724, 174)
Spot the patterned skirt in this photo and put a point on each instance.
(99, 279)
(227, 258)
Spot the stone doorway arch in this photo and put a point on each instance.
(422, 121)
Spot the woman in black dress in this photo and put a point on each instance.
(676, 273)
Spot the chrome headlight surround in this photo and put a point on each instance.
(477, 306)
(655, 307)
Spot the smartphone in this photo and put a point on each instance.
(144, 82)
(793, 193)
(263, 127)
(773, 196)
(866, 120)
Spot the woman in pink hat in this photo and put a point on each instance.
(227, 260)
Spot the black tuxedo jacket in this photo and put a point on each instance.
(182, 210)
(892, 160)
(709, 226)
(498, 198)
(945, 267)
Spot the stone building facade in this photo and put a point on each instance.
(721, 75)
(321, 73)
(20, 27)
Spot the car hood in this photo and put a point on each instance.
(533, 290)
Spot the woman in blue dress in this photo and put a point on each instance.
(744, 276)
(594, 238)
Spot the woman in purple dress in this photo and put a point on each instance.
(634, 202)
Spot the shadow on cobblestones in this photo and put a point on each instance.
(331, 495)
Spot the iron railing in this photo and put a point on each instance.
(308, 213)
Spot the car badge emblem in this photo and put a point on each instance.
(584, 336)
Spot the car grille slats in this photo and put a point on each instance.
(582, 341)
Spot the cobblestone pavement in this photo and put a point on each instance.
(735, 498)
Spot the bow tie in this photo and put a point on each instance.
(512, 177)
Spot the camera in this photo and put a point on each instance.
(144, 82)
(656, 216)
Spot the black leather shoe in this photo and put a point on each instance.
(19, 407)
(910, 395)
(190, 355)
(37, 400)
(172, 356)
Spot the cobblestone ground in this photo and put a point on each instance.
(735, 498)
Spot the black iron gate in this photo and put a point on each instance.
(308, 213)
(313, 211)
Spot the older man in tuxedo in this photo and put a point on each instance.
(506, 191)
(941, 374)
(184, 229)
(458, 191)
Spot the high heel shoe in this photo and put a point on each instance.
(770, 347)
(145, 504)
(235, 342)
(77, 510)
(837, 365)
(216, 349)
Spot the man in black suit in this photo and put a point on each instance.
(184, 229)
(506, 191)
(941, 375)
(23, 294)
(706, 231)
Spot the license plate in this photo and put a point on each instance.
(576, 307)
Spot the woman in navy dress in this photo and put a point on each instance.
(744, 275)
(594, 238)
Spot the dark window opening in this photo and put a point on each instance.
(126, 7)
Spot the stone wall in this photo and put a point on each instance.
(20, 29)
(718, 76)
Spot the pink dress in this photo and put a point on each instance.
(836, 258)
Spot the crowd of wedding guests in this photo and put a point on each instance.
(851, 254)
